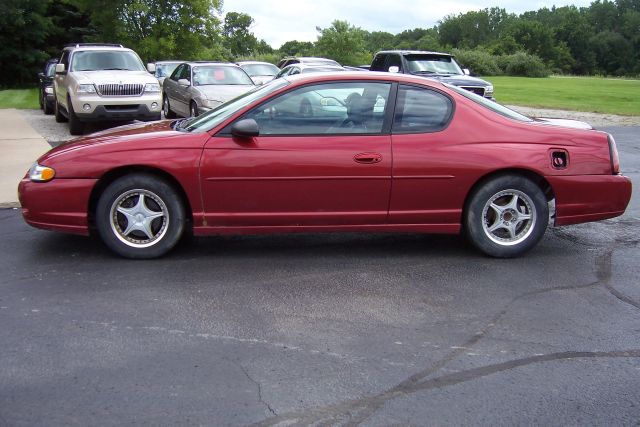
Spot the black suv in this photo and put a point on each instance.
(45, 85)
(434, 65)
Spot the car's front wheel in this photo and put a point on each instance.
(140, 216)
(166, 108)
(76, 127)
(506, 216)
(60, 118)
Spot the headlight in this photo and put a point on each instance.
(489, 89)
(211, 103)
(152, 88)
(86, 89)
(39, 173)
(48, 89)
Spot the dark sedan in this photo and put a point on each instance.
(45, 86)
(375, 152)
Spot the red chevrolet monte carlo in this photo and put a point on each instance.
(359, 151)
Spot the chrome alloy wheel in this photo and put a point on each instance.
(509, 217)
(139, 218)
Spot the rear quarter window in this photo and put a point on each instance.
(421, 110)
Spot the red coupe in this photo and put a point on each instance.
(361, 151)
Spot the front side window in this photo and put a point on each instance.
(96, 60)
(329, 108)
(177, 72)
(420, 110)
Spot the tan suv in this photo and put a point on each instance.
(100, 82)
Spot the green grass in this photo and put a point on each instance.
(590, 94)
(19, 98)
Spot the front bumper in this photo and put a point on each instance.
(93, 107)
(60, 204)
(586, 198)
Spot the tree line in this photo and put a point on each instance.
(602, 39)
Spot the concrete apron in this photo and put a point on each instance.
(20, 146)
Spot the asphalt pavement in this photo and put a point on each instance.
(324, 329)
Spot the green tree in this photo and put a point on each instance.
(342, 42)
(238, 38)
(159, 29)
(294, 47)
(23, 31)
(378, 40)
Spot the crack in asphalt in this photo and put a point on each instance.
(258, 385)
(325, 415)
(357, 411)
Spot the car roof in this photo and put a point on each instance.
(253, 62)
(169, 61)
(306, 65)
(361, 76)
(200, 63)
(415, 52)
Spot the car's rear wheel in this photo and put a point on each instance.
(60, 118)
(506, 216)
(41, 99)
(166, 108)
(140, 216)
(193, 109)
(76, 127)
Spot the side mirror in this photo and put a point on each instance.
(245, 128)
(184, 82)
(41, 76)
(466, 72)
(60, 69)
(151, 67)
(394, 69)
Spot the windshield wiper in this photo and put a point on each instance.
(177, 125)
(425, 72)
(118, 69)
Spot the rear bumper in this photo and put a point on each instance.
(587, 198)
(61, 204)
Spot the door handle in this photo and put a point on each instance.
(368, 158)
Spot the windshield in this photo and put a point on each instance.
(260, 69)
(213, 75)
(491, 105)
(213, 118)
(164, 70)
(96, 60)
(432, 64)
(51, 69)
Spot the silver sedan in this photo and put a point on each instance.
(196, 87)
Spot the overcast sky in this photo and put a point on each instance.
(278, 21)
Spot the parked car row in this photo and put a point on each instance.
(106, 82)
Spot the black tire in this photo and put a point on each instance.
(506, 216)
(144, 196)
(60, 118)
(48, 108)
(41, 99)
(193, 109)
(166, 108)
(76, 127)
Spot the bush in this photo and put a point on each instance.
(523, 64)
(478, 61)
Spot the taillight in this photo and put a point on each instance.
(613, 155)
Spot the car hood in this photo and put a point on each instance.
(260, 80)
(114, 77)
(223, 92)
(127, 134)
(458, 80)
